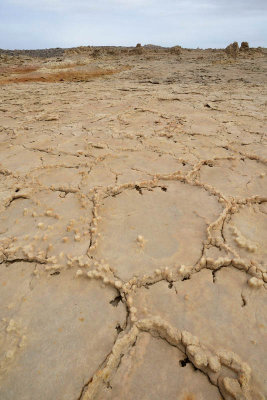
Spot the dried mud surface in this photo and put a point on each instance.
(133, 225)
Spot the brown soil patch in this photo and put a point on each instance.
(66, 76)
(67, 65)
(18, 70)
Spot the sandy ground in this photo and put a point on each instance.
(133, 225)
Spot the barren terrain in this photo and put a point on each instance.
(133, 224)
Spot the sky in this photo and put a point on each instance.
(31, 24)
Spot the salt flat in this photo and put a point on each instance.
(133, 224)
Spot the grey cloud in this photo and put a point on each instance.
(191, 23)
(139, 5)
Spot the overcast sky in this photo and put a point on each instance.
(191, 23)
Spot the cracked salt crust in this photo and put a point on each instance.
(166, 219)
(225, 319)
(243, 242)
(139, 376)
(60, 328)
(133, 231)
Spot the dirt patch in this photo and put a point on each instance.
(18, 70)
(66, 76)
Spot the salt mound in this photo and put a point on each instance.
(244, 46)
(232, 50)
